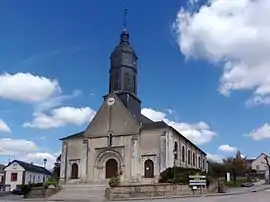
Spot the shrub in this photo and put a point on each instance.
(114, 181)
(50, 181)
(178, 175)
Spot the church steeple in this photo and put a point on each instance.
(123, 71)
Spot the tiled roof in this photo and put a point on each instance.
(31, 167)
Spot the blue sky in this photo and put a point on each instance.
(196, 71)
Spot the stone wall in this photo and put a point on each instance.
(39, 192)
(151, 190)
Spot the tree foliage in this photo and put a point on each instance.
(236, 166)
(56, 168)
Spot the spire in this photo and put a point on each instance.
(125, 19)
(124, 38)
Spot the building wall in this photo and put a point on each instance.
(259, 164)
(32, 177)
(14, 168)
(131, 152)
(74, 154)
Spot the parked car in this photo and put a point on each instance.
(17, 191)
(247, 184)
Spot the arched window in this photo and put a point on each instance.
(183, 154)
(189, 157)
(127, 84)
(199, 160)
(148, 169)
(193, 159)
(74, 171)
(175, 151)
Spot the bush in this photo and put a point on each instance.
(50, 181)
(178, 175)
(114, 182)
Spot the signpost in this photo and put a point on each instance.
(196, 181)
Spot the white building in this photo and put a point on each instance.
(259, 164)
(19, 172)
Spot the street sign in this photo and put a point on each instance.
(197, 180)
(197, 176)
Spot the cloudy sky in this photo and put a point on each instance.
(203, 68)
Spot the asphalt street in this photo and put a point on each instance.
(262, 196)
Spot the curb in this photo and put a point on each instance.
(161, 197)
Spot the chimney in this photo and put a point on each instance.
(32, 163)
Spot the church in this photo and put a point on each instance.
(120, 140)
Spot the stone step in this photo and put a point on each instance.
(80, 191)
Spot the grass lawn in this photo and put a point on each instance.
(237, 183)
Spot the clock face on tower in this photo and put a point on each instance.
(110, 101)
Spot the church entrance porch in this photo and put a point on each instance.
(109, 163)
(111, 168)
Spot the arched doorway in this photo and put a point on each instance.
(74, 171)
(148, 169)
(111, 168)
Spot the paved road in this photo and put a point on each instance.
(258, 197)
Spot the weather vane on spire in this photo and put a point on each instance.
(125, 18)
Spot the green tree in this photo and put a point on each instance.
(56, 168)
(216, 170)
(236, 166)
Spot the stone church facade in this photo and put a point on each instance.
(120, 140)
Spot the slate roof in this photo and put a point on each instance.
(31, 167)
(75, 135)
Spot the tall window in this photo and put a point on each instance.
(134, 84)
(183, 154)
(203, 164)
(199, 159)
(193, 159)
(175, 151)
(14, 177)
(115, 81)
(109, 139)
(189, 157)
(127, 85)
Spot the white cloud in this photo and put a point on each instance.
(55, 101)
(199, 133)
(25, 150)
(9, 146)
(26, 87)
(60, 117)
(260, 133)
(4, 127)
(227, 148)
(215, 158)
(235, 34)
(38, 159)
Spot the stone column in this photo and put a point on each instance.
(134, 160)
(63, 165)
(84, 165)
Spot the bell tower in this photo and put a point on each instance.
(123, 72)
